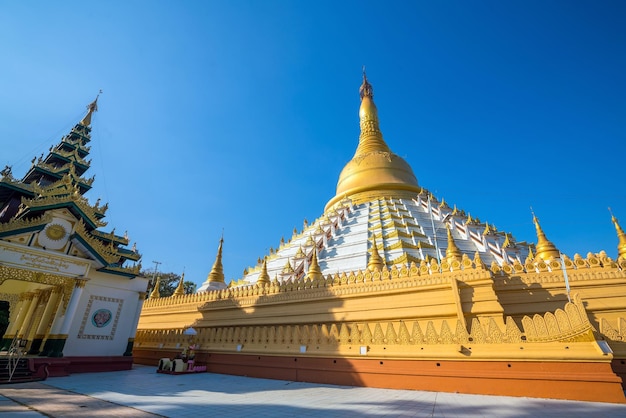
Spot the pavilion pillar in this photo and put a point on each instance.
(59, 342)
(52, 336)
(26, 324)
(46, 317)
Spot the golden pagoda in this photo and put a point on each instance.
(390, 287)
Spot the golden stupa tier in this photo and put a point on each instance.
(374, 171)
(405, 230)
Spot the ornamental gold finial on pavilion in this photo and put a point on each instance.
(374, 167)
(621, 246)
(545, 249)
(91, 108)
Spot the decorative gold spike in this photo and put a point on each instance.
(621, 246)
(288, 269)
(545, 248)
(216, 275)
(507, 241)
(264, 278)
(315, 272)
(180, 289)
(155, 292)
(469, 219)
(452, 252)
(478, 262)
(375, 262)
(91, 108)
(487, 230)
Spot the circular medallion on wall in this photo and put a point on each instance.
(101, 318)
(55, 235)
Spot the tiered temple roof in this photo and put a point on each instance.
(50, 199)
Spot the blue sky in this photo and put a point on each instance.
(239, 115)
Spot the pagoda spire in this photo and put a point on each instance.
(621, 246)
(91, 109)
(215, 278)
(452, 252)
(374, 168)
(315, 272)
(180, 289)
(264, 278)
(155, 292)
(545, 248)
(371, 138)
(216, 275)
(375, 262)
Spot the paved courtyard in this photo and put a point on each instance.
(143, 393)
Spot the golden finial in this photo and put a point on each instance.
(315, 272)
(545, 249)
(216, 275)
(487, 230)
(91, 108)
(621, 246)
(375, 262)
(452, 252)
(478, 262)
(507, 241)
(288, 269)
(264, 278)
(180, 289)
(371, 139)
(366, 89)
(155, 292)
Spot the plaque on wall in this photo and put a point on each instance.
(100, 318)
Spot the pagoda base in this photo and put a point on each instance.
(581, 381)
